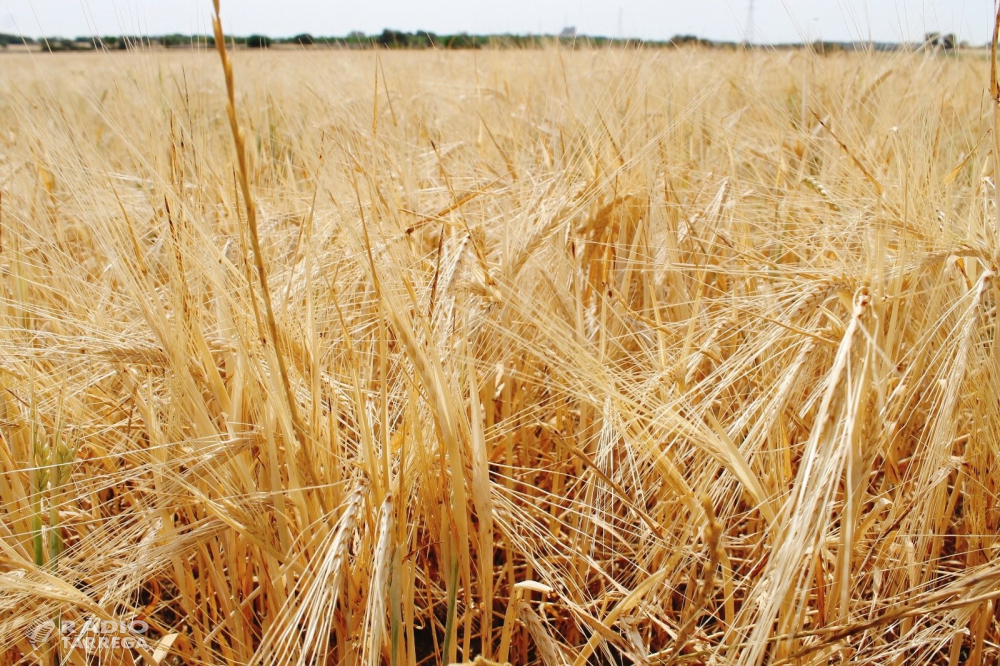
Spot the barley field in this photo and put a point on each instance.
(550, 357)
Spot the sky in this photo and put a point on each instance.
(774, 20)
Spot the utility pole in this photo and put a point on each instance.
(751, 28)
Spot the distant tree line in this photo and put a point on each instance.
(422, 39)
(391, 39)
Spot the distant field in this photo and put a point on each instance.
(553, 357)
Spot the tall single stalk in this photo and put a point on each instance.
(251, 211)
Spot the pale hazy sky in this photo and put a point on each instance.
(776, 20)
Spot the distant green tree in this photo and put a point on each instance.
(60, 44)
(393, 39)
(355, 39)
(173, 40)
(425, 39)
(682, 40)
(6, 39)
(258, 42)
(132, 42)
(305, 39)
(460, 41)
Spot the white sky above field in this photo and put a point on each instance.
(775, 20)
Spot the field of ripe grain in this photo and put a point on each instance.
(545, 357)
